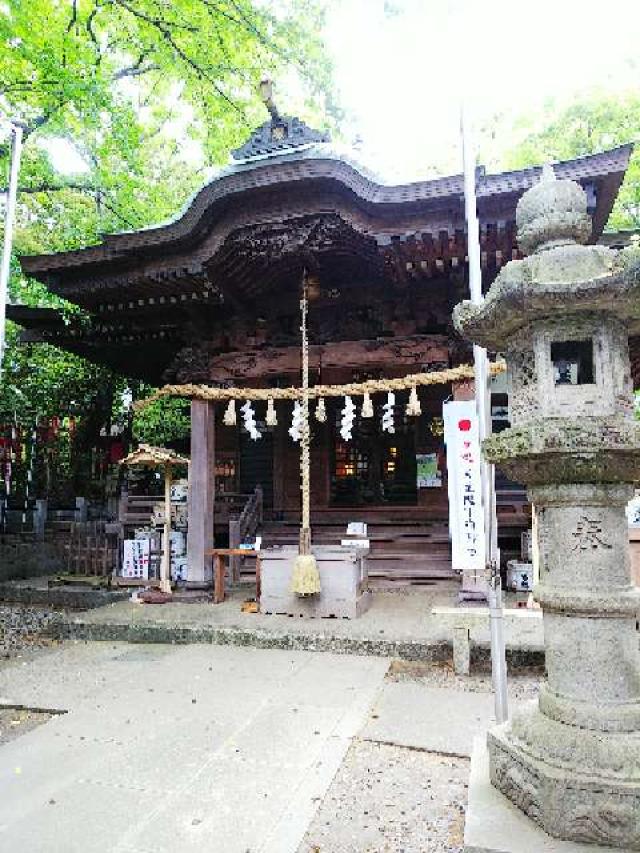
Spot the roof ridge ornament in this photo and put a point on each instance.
(548, 173)
(281, 133)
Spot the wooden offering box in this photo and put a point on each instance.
(343, 580)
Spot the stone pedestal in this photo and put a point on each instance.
(494, 825)
(572, 759)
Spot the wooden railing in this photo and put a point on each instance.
(137, 510)
(244, 527)
(242, 512)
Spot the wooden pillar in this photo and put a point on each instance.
(201, 490)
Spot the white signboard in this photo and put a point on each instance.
(179, 568)
(633, 511)
(135, 558)
(466, 518)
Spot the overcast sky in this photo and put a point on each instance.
(400, 75)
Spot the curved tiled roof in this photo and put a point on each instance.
(316, 165)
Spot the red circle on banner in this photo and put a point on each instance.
(464, 425)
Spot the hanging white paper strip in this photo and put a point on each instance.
(348, 417)
(388, 413)
(295, 430)
(249, 417)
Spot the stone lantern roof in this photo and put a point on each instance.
(559, 276)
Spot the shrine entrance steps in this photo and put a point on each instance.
(400, 551)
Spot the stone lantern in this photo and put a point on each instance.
(562, 317)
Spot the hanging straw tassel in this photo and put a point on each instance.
(413, 406)
(367, 406)
(271, 418)
(305, 578)
(321, 412)
(229, 418)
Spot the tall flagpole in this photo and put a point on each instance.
(483, 406)
(5, 266)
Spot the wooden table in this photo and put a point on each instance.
(218, 555)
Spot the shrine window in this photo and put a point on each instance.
(390, 463)
(572, 362)
(225, 475)
(350, 461)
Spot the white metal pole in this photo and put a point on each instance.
(5, 266)
(483, 404)
(165, 566)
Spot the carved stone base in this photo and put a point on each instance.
(575, 783)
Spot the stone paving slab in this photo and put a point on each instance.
(434, 719)
(167, 748)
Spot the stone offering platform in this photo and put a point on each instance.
(495, 825)
(399, 623)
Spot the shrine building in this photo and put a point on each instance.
(213, 297)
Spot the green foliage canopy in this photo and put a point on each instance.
(149, 94)
(591, 124)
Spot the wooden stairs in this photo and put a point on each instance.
(409, 550)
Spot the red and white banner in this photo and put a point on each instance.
(466, 517)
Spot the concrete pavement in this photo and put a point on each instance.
(177, 748)
(433, 719)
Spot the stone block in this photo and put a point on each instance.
(579, 784)
(461, 650)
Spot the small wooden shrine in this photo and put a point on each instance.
(213, 297)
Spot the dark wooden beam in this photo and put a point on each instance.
(260, 364)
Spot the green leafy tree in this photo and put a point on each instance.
(163, 422)
(590, 125)
(148, 96)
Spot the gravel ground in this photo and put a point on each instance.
(393, 799)
(388, 799)
(522, 686)
(20, 628)
(15, 722)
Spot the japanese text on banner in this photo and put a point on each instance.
(466, 518)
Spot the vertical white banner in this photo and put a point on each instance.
(466, 518)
